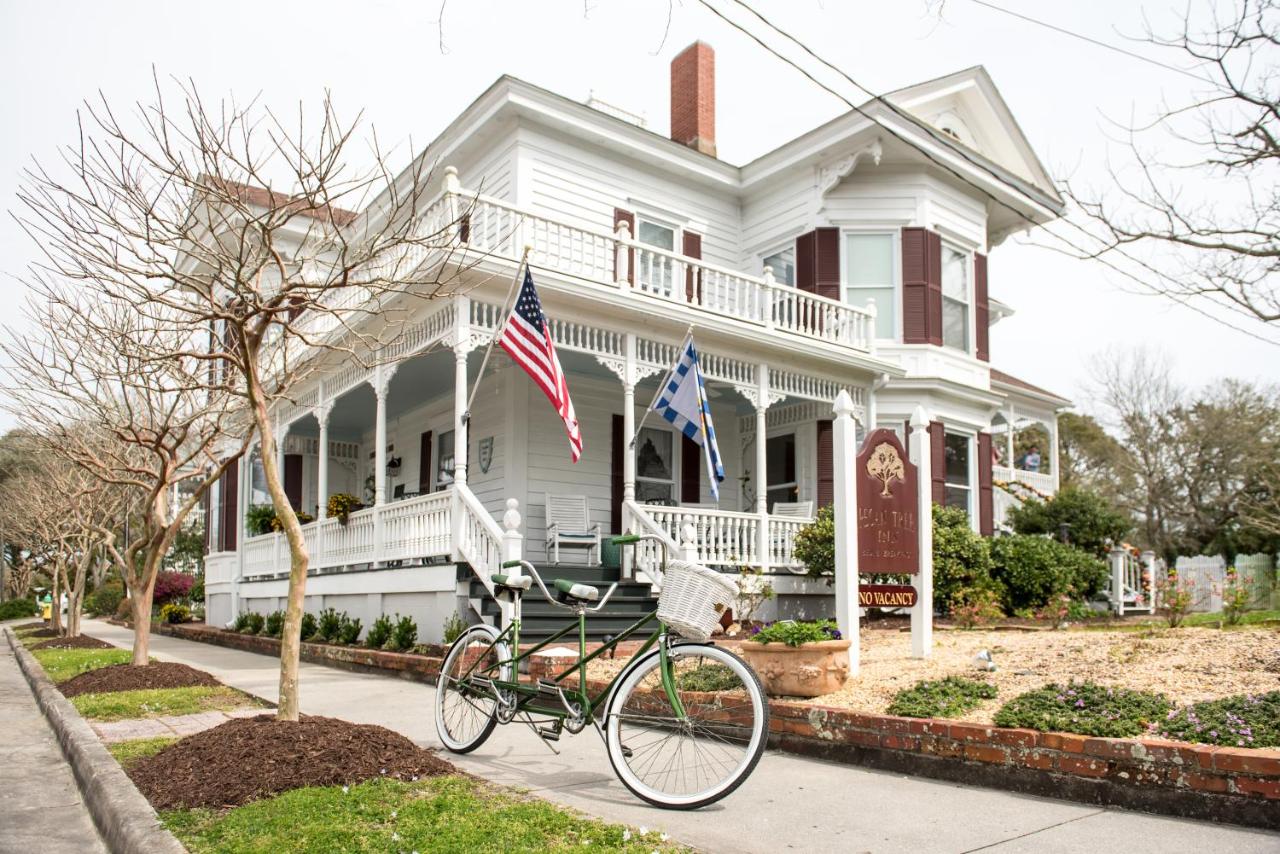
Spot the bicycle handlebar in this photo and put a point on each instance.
(524, 564)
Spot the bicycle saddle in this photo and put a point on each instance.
(572, 590)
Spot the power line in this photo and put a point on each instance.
(1105, 45)
(937, 135)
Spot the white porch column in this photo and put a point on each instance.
(461, 346)
(381, 383)
(629, 418)
(762, 464)
(922, 614)
(322, 413)
(845, 509)
(244, 473)
(1008, 440)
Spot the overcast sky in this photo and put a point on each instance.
(386, 58)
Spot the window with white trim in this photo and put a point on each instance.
(869, 275)
(780, 469)
(655, 272)
(444, 460)
(955, 298)
(655, 466)
(958, 491)
(783, 265)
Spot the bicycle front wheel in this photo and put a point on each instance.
(466, 702)
(684, 758)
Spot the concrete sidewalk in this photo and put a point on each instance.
(40, 804)
(789, 804)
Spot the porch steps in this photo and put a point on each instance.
(541, 619)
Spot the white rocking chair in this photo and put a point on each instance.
(793, 509)
(569, 524)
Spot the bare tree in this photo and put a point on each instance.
(1207, 226)
(175, 214)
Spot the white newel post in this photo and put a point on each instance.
(688, 540)
(767, 298)
(512, 549)
(1117, 557)
(922, 613)
(845, 509)
(1149, 573)
(622, 254)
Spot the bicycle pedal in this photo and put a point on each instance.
(551, 733)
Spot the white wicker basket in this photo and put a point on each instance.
(693, 598)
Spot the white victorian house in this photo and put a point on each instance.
(849, 258)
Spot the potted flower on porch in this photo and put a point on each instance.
(799, 658)
(341, 505)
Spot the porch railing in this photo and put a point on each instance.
(616, 259)
(1039, 481)
(720, 538)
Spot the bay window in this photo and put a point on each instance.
(869, 275)
(958, 491)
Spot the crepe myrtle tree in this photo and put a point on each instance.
(176, 213)
(110, 390)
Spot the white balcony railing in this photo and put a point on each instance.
(616, 260)
(1046, 484)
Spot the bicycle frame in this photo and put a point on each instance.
(528, 694)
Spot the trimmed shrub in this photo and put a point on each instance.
(404, 635)
(976, 607)
(274, 626)
(1032, 570)
(1245, 720)
(172, 586)
(1086, 709)
(379, 632)
(961, 558)
(349, 633)
(1095, 524)
(815, 545)
(175, 613)
(104, 601)
(309, 626)
(14, 609)
(454, 626)
(253, 623)
(330, 624)
(942, 698)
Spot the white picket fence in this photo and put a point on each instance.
(1207, 574)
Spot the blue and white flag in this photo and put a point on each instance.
(682, 400)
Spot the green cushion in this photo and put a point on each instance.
(577, 590)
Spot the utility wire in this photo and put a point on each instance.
(937, 135)
(1082, 37)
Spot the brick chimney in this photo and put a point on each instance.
(693, 98)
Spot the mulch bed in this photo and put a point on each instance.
(135, 677)
(45, 632)
(78, 642)
(247, 759)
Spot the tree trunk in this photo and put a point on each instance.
(290, 639)
(55, 606)
(141, 601)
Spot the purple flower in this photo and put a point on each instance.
(1079, 704)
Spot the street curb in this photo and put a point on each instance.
(122, 815)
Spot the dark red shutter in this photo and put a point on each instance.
(206, 501)
(986, 506)
(982, 306)
(464, 228)
(693, 278)
(424, 464)
(827, 263)
(807, 262)
(690, 470)
(230, 512)
(619, 215)
(938, 453)
(921, 286)
(618, 445)
(826, 464)
(293, 480)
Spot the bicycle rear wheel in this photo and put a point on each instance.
(689, 760)
(466, 706)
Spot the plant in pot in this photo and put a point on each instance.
(303, 518)
(799, 658)
(260, 519)
(341, 505)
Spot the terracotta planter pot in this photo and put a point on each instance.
(808, 670)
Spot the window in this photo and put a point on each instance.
(783, 265)
(959, 488)
(655, 480)
(869, 275)
(780, 462)
(656, 272)
(258, 493)
(955, 298)
(444, 461)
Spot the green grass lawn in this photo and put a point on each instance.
(1250, 618)
(129, 752)
(149, 703)
(62, 664)
(441, 815)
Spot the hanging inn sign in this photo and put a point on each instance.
(888, 523)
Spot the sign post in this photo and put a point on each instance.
(922, 614)
(845, 510)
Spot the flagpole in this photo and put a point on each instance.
(497, 332)
(658, 393)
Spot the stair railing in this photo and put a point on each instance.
(480, 542)
(646, 558)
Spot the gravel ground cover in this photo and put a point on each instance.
(1187, 665)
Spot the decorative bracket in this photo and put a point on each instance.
(753, 397)
(829, 176)
(381, 379)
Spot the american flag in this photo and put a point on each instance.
(527, 339)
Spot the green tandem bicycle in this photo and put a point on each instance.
(684, 722)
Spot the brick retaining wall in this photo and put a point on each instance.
(1175, 778)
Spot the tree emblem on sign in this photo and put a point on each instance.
(885, 465)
